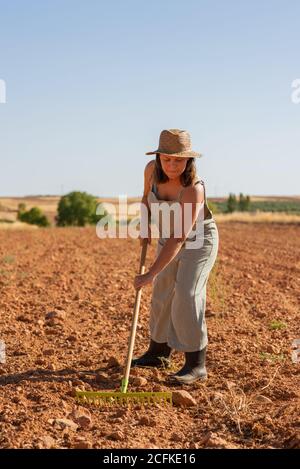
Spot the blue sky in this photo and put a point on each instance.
(90, 85)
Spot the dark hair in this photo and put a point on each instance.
(187, 178)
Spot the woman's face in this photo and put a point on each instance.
(173, 166)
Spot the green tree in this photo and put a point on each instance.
(231, 203)
(77, 209)
(34, 216)
(244, 203)
(21, 208)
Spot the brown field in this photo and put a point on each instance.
(251, 398)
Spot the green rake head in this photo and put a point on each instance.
(121, 398)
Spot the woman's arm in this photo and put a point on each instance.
(193, 195)
(145, 218)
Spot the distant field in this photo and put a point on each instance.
(284, 205)
(277, 209)
(9, 206)
(258, 217)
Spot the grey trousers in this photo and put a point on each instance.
(177, 314)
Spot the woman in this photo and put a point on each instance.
(179, 273)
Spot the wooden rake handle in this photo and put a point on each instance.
(134, 319)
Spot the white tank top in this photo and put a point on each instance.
(165, 230)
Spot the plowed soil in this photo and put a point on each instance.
(66, 303)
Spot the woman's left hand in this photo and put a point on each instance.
(142, 280)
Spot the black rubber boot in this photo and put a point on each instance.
(157, 356)
(193, 369)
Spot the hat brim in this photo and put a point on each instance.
(184, 154)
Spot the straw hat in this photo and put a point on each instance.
(175, 142)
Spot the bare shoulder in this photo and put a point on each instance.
(194, 193)
(148, 172)
(149, 168)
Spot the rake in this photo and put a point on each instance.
(124, 397)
